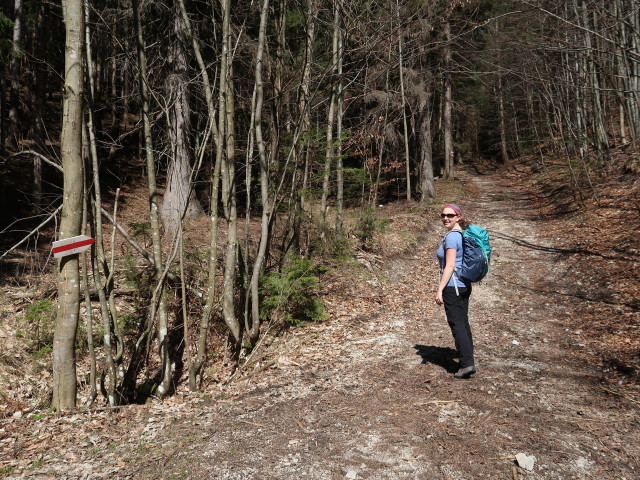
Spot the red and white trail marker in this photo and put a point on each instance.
(72, 245)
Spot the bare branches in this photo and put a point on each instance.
(44, 158)
(32, 232)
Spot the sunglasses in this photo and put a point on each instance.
(448, 215)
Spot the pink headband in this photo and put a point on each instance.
(454, 207)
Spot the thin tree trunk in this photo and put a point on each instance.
(504, 150)
(404, 103)
(448, 144)
(331, 116)
(339, 119)
(381, 140)
(16, 56)
(93, 389)
(227, 152)
(427, 183)
(154, 217)
(183, 298)
(3, 108)
(109, 319)
(305, 120)
(39, 89)
(199, 359)
(253, 327)
(64, 366)
(278, 110)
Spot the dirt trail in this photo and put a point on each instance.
(370, 394)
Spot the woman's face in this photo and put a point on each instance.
(449, 218)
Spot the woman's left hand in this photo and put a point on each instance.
(439, 300)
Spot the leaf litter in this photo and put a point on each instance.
(370, 394)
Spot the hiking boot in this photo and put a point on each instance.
(465, 372)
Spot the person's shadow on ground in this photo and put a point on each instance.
(441, 356)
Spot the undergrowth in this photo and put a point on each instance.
(291, 293)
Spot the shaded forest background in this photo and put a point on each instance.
(232, 152)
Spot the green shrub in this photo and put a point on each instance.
(129, 324)
(357, 181)
(141, 230)
(368, 225)
(44, 351)
(135, 276)
(291, 293)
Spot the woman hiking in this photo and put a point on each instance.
(453, 292)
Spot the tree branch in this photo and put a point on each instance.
(32, 232)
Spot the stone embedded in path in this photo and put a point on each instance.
(526, 461)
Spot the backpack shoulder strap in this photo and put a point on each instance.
(451, 231)
(455, 269)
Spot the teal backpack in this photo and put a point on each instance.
(476, 255)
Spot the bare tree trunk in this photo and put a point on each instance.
(634, 59)
(64, 365)
(278, 122)
(253, 327)
(592, 81)
(331, 116)
(199, 359)
(504, 150)
(154, 218)
(339, 119)
(16, 56)
(381, 128)
(629, 65)
(3, 107)
(621, 68)
(448, 144)
(404, 102)
(227, 152)
(179, 201)
(93, 389)
(302, 153)
(427, 184)
(183, 298)
(39, 89)
(112, 338)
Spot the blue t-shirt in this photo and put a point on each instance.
(452, 241)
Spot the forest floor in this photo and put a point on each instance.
(370, 393)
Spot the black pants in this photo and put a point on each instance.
(457, 310)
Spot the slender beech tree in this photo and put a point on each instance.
(340, 121)
(64, 364)
(407, 158)
(333, 108)
(504, 149)
(159, 302)
(102, 273)
(302, 149)
(16, 61)
(198, 360)
(39, 97)
(226, 152)
(448, 144)
(252, 324)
